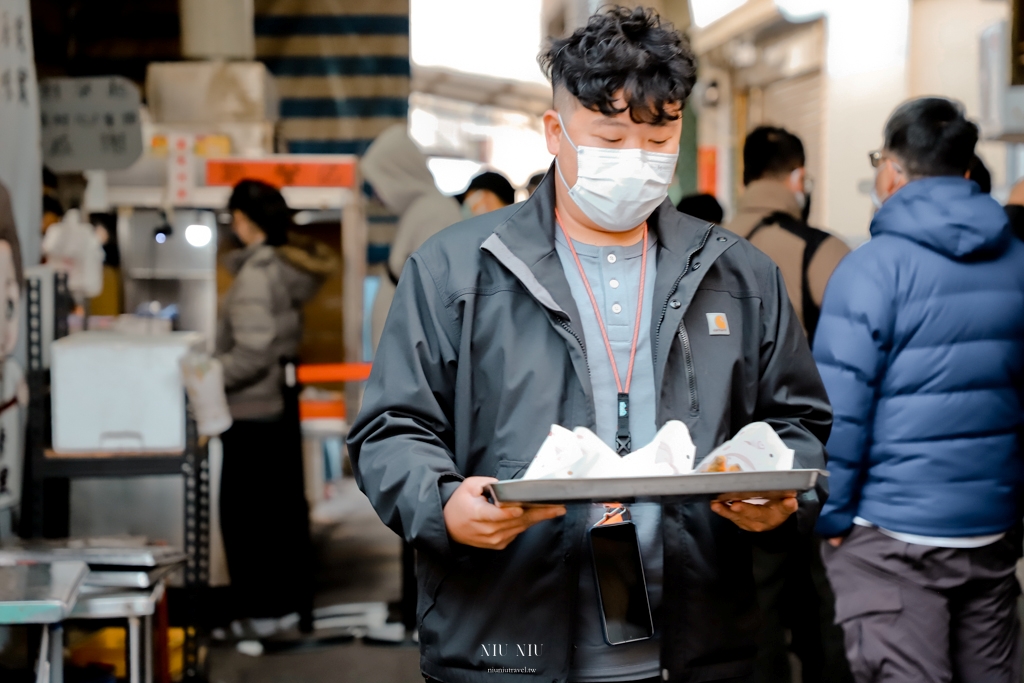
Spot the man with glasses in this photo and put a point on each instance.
(921, 348)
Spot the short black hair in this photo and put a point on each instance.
(627, 49)
(702, 206)
(493, 182)
(771, 152)
(978, 172)
(931, 136)
(264, 206)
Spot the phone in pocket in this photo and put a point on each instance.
(621, 586)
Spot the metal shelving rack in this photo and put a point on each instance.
(46, 480)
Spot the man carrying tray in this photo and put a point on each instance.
(597, 304)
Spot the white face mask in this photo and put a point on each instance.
(876, 201)
(619, 189)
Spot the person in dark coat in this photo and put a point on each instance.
(921, 348)
(492, 338)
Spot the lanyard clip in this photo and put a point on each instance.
(623, 444)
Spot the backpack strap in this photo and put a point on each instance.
(813, 239)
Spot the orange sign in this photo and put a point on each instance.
(281, 171)
(707, 169)
(333, 372)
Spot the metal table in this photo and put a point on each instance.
(43, 594)
(138, 607)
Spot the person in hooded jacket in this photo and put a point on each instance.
(397, 171)
(921, 348)
(262, 498)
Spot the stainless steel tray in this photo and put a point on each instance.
(538, 491)
(127, 577)
(39, 593)
(53, 551)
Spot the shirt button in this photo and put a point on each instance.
(614, 284)
(611, 258)
(616, 308)
(675, 303)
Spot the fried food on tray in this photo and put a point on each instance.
(720, 463)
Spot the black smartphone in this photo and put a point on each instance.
(621, 586)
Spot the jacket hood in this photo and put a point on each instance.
(397, 169)
(947, 214)
(307, 263)
(311, 263)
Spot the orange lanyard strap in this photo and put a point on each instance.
(623, 444)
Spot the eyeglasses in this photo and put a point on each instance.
(877, 157)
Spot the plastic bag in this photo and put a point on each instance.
(203, 377)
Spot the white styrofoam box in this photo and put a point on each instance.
(119, 392)
(210, 92)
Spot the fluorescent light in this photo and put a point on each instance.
(198, 235)
(706, 12)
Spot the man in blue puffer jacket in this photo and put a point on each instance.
(921, 348)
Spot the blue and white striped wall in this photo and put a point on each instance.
(341, 68)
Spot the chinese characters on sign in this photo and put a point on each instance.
(89, 123)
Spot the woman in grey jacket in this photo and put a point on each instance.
(262, 502)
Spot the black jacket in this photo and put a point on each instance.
(483, 350)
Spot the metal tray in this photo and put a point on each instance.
(39, 593)
(52, 551)
(126, 577)
(538, 491)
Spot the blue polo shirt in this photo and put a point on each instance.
(614, 276)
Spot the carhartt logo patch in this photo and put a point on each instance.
(718, 324)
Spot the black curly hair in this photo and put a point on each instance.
(627, 49)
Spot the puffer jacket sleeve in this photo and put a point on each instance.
(251, 320)
(854, 333)
(791, 397)
(402, 443)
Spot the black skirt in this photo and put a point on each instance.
(265, 519)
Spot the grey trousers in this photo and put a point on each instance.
(917, 613)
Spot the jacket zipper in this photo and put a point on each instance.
(564, 322)
(686, 268)
(691, 375)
